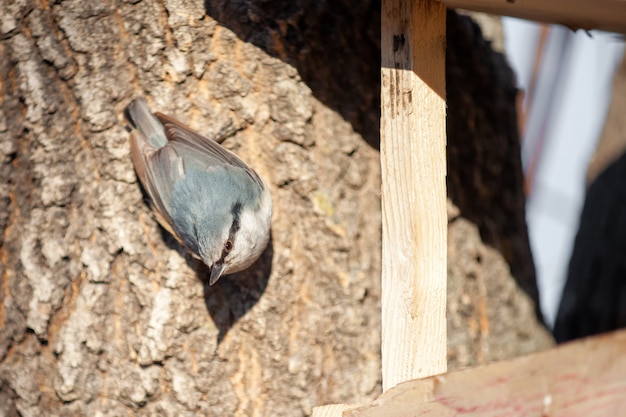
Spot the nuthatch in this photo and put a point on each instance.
(203, 194)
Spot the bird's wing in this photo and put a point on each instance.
(158, 170)
(201, 148)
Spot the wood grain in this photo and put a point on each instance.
(585, 378)
(333, 410)
(607, 15)
(413, 190)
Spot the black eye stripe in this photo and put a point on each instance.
(236, 212)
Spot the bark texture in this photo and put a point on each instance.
(483, 128)
(102, 313)
(493, 305)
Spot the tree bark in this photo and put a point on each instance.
(102, 312)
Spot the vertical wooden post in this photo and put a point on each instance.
(413, 162)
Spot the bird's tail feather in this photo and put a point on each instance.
(141, 118)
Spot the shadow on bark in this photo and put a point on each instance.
(334, 45)
(234, 295)
(485, 177)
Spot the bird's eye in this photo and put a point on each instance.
(228, 246)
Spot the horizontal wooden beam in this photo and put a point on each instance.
(585, 378)
(609, 15)
(333, 410)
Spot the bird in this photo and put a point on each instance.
(216, 206)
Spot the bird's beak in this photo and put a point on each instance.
(216, 273)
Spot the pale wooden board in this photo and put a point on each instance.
(607, 15)
(413, 165)
(333, 410)
(580, 379)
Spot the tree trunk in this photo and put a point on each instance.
(103, 313)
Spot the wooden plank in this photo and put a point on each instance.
(413, 165)
(333, 410)
(580, 379)
(607, 15)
